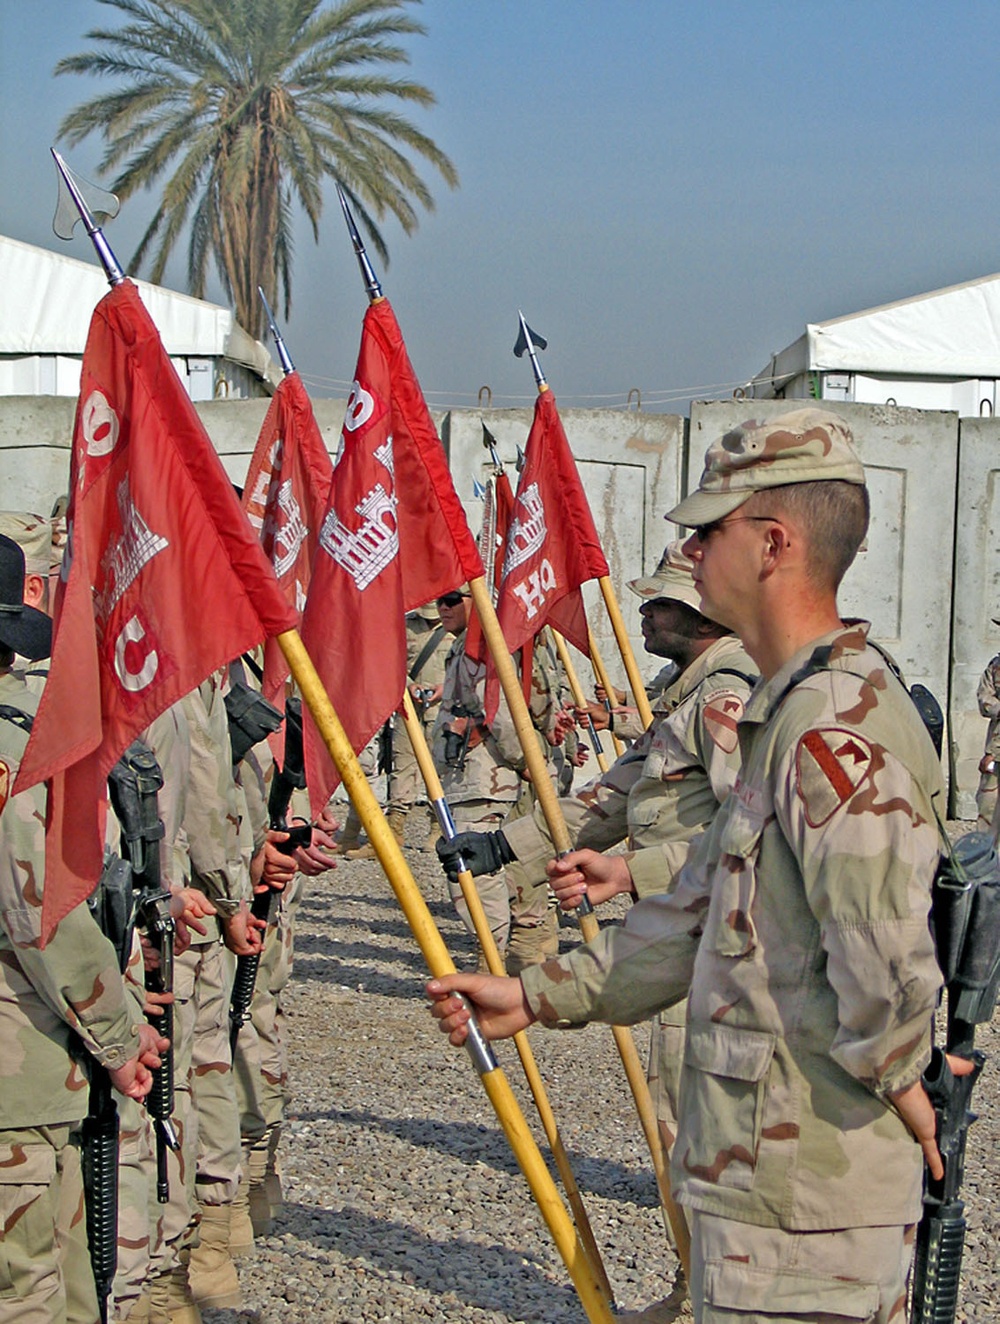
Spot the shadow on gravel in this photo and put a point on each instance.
(472, 1143)
(325, 901)
(484, 1277)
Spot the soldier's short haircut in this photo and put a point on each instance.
(832, 513)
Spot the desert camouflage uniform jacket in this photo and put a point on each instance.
(628, 724)
(664, 790)
(73, 985)
(988, 698)
(800, 925)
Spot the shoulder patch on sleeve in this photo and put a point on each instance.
(830, 765)
(4, 784)
(720, 715)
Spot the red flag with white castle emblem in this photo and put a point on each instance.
(394, 537)
(285, 497)
(552, 543)
(163, 582)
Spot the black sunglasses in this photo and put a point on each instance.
(450, 600)
(705, 531)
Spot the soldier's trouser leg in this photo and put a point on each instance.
(534, 928)
(137, 1217)
(986, 800)
(743, 1274)
(212, 1087)
(45, 1275)
(482, 816)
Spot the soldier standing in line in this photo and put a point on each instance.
(51, 1000)
(799, 923)
(988, 698)
(659, 796)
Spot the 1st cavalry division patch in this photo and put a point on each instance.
(830, 765)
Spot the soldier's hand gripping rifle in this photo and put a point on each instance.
(286, 779)
(966, 914)
(111, 906)
(134, 783)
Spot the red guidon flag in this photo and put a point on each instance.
(393, 538)
(285, 497)
(552, 543)
(163, 582)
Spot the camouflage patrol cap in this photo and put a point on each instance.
(671, 579)
(33, 534)
(803, 446)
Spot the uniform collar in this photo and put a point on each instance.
(826, 653)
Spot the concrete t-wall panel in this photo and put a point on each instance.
(35, 437)
(902, 582)
(631, 467)
(976, 638)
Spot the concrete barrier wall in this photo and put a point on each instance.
(928, 581)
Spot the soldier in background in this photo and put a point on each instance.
(988, 698)
(799, 922)
(52, 1002)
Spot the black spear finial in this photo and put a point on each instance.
(372, 287)
(528, 340)
(284, 358)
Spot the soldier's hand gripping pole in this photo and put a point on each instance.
(436, 796)
(579, 698)
(440, 963)
(966, 915)
(604, 680)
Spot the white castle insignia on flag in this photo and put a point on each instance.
(126, 557)
(364, 552)
(290, 534)
(525, 535)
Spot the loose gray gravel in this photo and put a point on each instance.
(403, 1200)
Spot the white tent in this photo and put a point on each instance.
(45, 314)
(937, 350)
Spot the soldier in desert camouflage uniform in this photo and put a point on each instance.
(53, 1004)
(988, 698)
(799, 922)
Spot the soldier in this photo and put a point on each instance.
(51, 1002)
(799, 922)
(988, 697)
(659, 795)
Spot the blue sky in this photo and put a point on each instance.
(669, 190)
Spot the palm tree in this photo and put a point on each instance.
(247, 106)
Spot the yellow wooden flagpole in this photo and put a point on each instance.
(439, 963)
(579, 698)
(435, 793)
(625, 648)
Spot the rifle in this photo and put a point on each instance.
(111, 906)
(286, 779)
(456, 744)
(133, 784)
(966, 918)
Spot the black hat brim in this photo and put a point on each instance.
(28, 632)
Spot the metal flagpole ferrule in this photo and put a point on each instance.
(64, 220)
(372, 286)
(284, 358)
(482, 1055)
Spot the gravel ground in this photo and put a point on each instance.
(403, 1200)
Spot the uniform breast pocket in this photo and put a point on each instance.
(723, 1092)
(730, 930)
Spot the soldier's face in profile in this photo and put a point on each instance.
(663, 628)
(454, 609)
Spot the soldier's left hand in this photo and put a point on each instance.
(917, 1111)
(313, 859)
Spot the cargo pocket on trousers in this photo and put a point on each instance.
(733, 1285)
(724, 1087)
(27, 1232)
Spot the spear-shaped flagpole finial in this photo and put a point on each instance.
(490, 442)
(284, 358)
(372, 287)
(530, 340)
(73, 206)
(519, 465)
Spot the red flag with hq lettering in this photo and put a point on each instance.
(284, 498)
(163, 582)
(552, 543)
(393, 538)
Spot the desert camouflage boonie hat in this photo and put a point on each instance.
(33, 534)
(803, 446)
(671, 579)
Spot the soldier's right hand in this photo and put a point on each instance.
(481, 852)
(498, 1003)
(134, 1078)
(588, 873)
